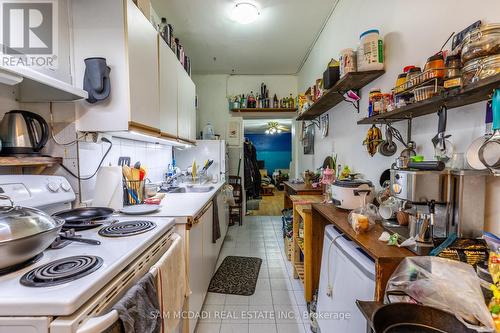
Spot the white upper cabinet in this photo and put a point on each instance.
(168, 89)
(118, 31)
(150, 91)
(142, 53)
(186, 111)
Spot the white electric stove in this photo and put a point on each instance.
(81, 304)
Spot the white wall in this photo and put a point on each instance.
(411, 33)
(213, 90)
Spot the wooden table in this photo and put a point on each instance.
(299, 189)
(387, 258)
(302, 213)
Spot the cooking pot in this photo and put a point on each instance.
(24, 233)
(351, 193)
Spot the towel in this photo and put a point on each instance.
(138, 310)
(216, 225)
(172, 284)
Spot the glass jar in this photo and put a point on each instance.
(479, 69)
(481, 42)
(453, 64)
(435, 66)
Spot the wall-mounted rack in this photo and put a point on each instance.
(472, 93)
(335, 95)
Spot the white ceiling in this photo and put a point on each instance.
(276, 43)
(259, 126)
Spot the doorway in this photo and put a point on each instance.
(268, 158)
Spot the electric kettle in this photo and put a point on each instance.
(23, 133)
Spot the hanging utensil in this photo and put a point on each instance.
(388, 147)
(489, 153)
(472, 153)
(439, 139)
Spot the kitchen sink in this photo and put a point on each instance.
(191, 189)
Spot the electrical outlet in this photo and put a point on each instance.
(91, 137)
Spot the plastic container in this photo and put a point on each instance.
(347, 61)
(208, 132)
(478, 69)
(412, 77)
(436, 64)
(481, 42)
(370, 54)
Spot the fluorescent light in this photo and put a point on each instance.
(245, 13)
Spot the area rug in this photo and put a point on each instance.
(236, 276)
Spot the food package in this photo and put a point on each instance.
(432, 281)
(364, 218)
(471, 251)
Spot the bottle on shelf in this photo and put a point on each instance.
(292, 102)
(251, 100)
(243, 102)
(275, 101)
(162, 28)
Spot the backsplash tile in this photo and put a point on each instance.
(155, 157)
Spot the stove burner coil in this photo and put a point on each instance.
(127, 228)
(61, 271)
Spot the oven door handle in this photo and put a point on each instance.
(99, 324)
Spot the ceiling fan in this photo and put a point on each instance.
(273, 127)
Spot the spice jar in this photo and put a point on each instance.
(479, 69)
(481, 42)
(435, 66)
(453, 65)
(400, 81)
(412, 77)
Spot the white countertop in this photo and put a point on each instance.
(185, 204)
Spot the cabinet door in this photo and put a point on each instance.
(209, 248)
(197, 272)
(168, 88)
(143, 68)
(186, 106)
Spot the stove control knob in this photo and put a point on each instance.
(66, 187)
(53, 187)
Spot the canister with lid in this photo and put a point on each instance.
(481, 42)
(481, 68)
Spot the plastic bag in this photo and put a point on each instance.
(445, 284)
(228, 195)
(364, 218)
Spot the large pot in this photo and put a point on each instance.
(24, 233)
(351, 193)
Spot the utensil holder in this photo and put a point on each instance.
(133, 192)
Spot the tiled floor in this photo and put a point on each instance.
(278, 305)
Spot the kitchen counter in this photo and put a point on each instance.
(186, 204)
(386, 258)
(299, 189)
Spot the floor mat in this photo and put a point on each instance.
(236, 276)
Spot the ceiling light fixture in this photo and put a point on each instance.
(273, 128)
(244, 13)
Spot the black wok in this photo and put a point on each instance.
(414, 318)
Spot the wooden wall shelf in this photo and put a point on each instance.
(473, 93)
(351, 81)
(265, 110)
(38, 162)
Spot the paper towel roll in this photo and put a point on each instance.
(108, 190)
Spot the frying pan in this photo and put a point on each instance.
(489, 153)
(472, 154)
(415, 318)
(85, 214)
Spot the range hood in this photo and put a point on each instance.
(34, 86)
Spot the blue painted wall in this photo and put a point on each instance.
(275, 150)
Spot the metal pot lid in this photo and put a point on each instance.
(352, 183)
(20, 222)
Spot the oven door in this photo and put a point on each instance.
(96, 315)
